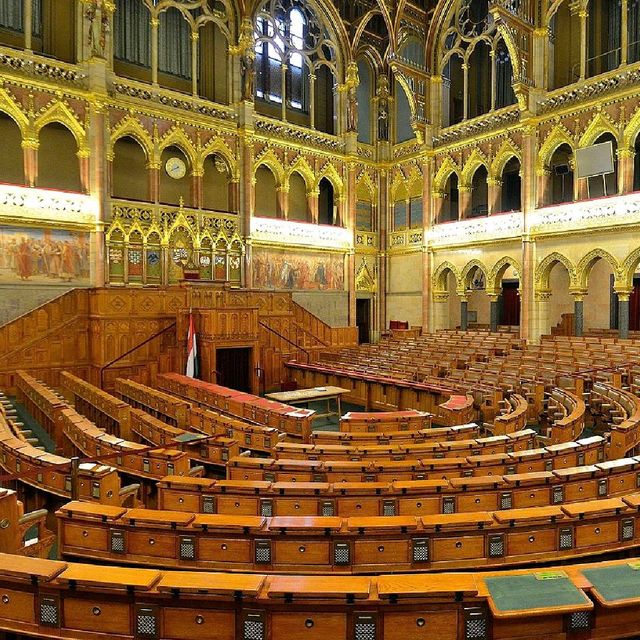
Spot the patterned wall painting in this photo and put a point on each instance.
(44, 256)
(282, 269)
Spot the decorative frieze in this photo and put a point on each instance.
(492, 228)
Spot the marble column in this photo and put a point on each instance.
(626, 159)
(623, 313)
(197, 195)
(312, 200)
(283, 202)
(30, 155)
(464, 202)
(464, 320)
(153, 169)
(578, 312)
(493, 312)
(495, 195)
(543, 177)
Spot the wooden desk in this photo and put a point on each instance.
(302, 397)
(213, 583)
(424, 585)
(109, 577)
(319, 587)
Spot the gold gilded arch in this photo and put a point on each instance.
(558, 136)
(271, 161)
(217, 146)
(506, 152)
(543, 271)
(469, 269)
(494, 281)
(599, 125)
(11, 108)
(447, 167)
(331, 174)
(439, 281)
(59, 112)
(476, 160)
(178, 138)
(631, 131)
(131, 127)
(587, 263)
(302, 168)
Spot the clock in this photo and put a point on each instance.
(176, 168)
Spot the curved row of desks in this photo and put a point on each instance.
(74, 601)
(330, 544)
(518, 441)
(412, 497)
(52, 473)
(459, 432)
(559, 456)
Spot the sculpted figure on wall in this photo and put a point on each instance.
(383, 107)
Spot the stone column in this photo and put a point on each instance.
(626, 159)
(247, 207)
(155, 27)
(427, 264)
(197, 195)
(438, 198)
(30, 154)
(464, 320)
(349, 220)
(541, 325)
(153, 169)
(464, 202)
(85, 179)
(383, 225)
(427, 255)
(493, 312)
(543, 178)
(495, 195)
(312, 199)
(623, 312)
(578, 311)
(234, 196)
(583, 15)
(440, 310)
(283, 202)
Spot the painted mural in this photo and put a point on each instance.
(282, 269)
(44, 256)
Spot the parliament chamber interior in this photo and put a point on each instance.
(320, 319)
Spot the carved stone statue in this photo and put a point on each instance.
(352, 96)
(383, 107)
(248, 72)
(97, 14)
(247, 59)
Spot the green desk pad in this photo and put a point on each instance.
(516, 593)
(618, 582)
(189, 437)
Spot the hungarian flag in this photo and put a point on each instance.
(192, 350)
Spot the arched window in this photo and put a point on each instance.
(277, 47)
(295, 64)
(451, 197)
(468, 70)
(605, 26)
(479, 193)
(609, 187)
(562, 175)
(564, 48)
(11, 160)
(505, 95)
(326, 206)
(174, 44)
(132, 33)
(365, 97)
(510, 197)
(404, 130)
(633, 30)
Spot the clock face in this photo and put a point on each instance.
(176, 168)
